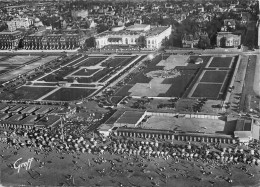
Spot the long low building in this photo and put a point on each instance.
(145, 36)
(182, 127)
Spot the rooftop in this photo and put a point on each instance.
(156, 30)
(153, 31)
(9, 32)
(138, 27)
(227, 34)
(118, 33)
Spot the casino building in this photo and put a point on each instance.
(9, 40)
(55, 39)
(150, 37)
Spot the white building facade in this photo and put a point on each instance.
(136, 35)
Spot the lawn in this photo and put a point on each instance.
(58, 75)
(116, 99)
(70, 94)
(221, 62)
(124, 91)
(26, 92)
(113, 62)
(210, 91)
(92, 61)
(140, 78)
(178, 84)
(214, 76)
(85, 72)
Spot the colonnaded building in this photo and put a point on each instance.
(55, 39)
(46, 39)
(147, 36)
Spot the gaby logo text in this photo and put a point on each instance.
(26, 165)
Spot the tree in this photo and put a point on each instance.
(204, 43)
(20, 44)
(102, 28)
(223, 42)
(142, 41)
(90, 42)
(3, 27)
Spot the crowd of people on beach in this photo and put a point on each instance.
(46, 140)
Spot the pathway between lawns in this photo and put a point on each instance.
(46, 95)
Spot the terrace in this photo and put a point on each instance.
(207, 126)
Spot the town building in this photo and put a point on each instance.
(10, 40)
(17, 23)
(189, 41)
(228, 39)
(230, 23)
(145, 36)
